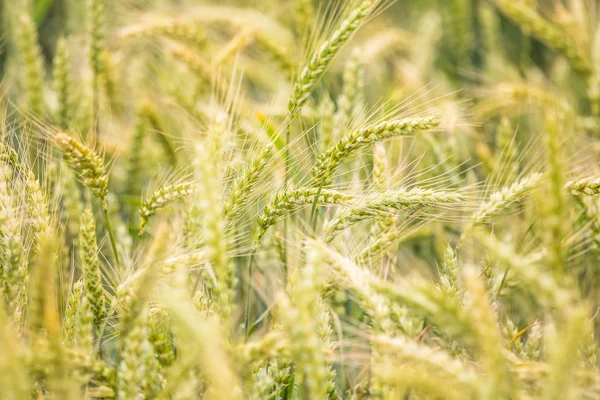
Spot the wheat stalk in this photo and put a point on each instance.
(503, 199)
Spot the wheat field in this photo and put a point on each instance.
(299, 199)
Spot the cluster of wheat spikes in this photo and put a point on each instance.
(298, 199)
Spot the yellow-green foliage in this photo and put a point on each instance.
(299, 199)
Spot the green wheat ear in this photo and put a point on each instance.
(86, 162)
(133, 372)
(96, 32)
(323, 57)
(244, 183)
(287, 201)
(500, 201)
(386, 203)
(299, 310)
(328, 161)
(535, 25)
(62, 83)
(149, 112)
(134, 159)
(162, 197)
(90, 267)
(213, 227)
(70, 317)
(43, 312)
(34, 65)
(13, 250)
(177, 30)
(584, 187)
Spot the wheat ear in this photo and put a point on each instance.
(501, 200)
(584, 187)
(437, 363)
(162, 197)
(244, 183)
(213, 228)
(96, 21)
(535, 25)
(90, 266)
(288, 201)
(330, 159)
(62, 83)
(149, 112)
(299, 311)
(13, 272)
(386, 203)
(34, 67)
(323, 57)
(86, 162)
(181, 31)
(70, 315)
(91, 169)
